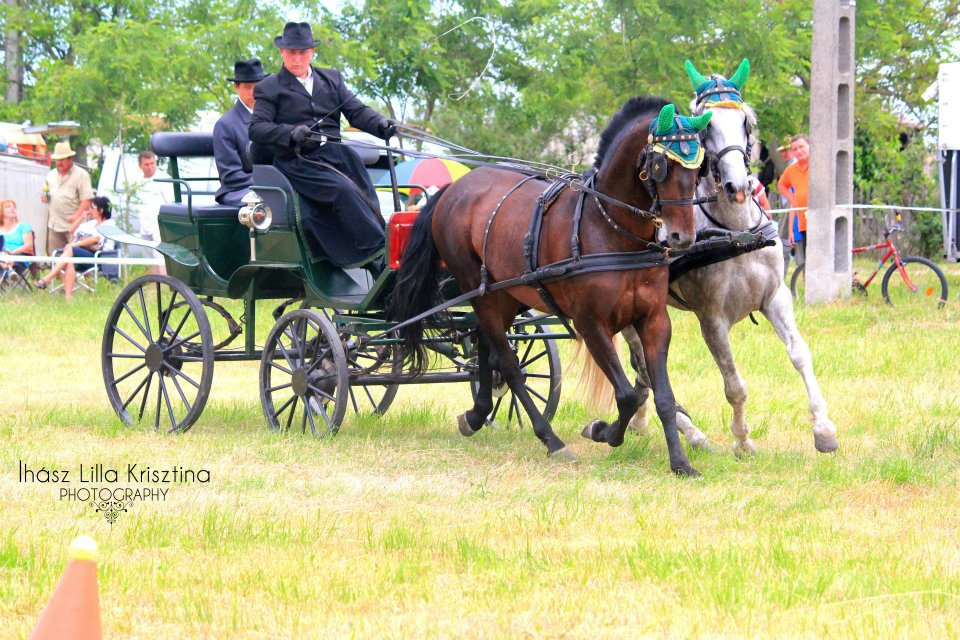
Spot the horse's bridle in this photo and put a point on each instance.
(714, 161)
(655, 168)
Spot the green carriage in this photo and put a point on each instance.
(333, 352)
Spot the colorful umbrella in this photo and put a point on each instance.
(427, 172)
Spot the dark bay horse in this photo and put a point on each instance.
(480, 222)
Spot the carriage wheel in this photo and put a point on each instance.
(303, 375)
(540, 363)
(362, 358)
(157, 354)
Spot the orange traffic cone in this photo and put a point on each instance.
(74, 610)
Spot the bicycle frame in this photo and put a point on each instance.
(891, 251)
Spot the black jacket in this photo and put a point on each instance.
(230, 139)
(283, 103)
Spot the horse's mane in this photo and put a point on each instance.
(630, 111)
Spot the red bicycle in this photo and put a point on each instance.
(921, 282)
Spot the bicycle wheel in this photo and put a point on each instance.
(920, 285)
(798, 284)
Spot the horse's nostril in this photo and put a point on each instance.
(729, 188)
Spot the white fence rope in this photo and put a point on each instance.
(51, 259)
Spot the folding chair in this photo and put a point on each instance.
(88, 278)
(17, 277)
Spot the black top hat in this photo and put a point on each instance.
(247, 71)
(296, 35)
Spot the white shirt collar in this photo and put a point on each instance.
(307, 82)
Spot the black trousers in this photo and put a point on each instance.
(340, 224)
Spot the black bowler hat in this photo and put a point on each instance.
(247, 71)
(296, 35)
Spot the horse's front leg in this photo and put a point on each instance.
(716, 333)
(601, 348)
(654, 334)
(779, 311)
(696, 438)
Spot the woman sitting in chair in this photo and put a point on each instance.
(87, 241)
(17, 237)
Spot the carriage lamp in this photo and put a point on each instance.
(255, 214)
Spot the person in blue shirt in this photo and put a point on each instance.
(17, 236)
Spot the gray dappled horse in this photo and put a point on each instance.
(725, 293)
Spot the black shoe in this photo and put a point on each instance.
(376, 266)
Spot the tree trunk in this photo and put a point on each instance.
(12, 60)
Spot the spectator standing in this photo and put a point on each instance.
(230, 137)
(147, 198)
(793, 186)
(68, 191)
(17, 236)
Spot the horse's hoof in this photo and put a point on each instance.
(687, 471)
(826, 443)
(703, 445)
(592, 430)
(745, 448)
(464, 426)
(563, 455)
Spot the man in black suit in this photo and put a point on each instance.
(230, 137)
(294, 108)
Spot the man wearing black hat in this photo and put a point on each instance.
(341, 217)
(230, 137)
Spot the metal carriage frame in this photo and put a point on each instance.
(333, 353)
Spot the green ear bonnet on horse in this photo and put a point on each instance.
(678, 138)
(717, 91)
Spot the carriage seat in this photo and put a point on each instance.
(205, 212)
(185, 144)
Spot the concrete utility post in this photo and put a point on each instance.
(829, 229)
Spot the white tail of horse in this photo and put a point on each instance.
(600, 396)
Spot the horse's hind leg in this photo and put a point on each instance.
(605, 355)
(780, 314)
(473, 419)
(696, 438)
(494, 328)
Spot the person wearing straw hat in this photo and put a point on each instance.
(294, 108)
(230, 136)
(68, 190)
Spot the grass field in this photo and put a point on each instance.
(400, 528)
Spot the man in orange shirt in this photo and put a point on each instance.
(793, 186)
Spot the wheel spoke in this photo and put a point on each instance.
(138, 356)
(146, 316)
(282, 407)
(166, 399)
(183, 396)
(156, 418)
(183, 321)
(129, 373)
(534, 392)
(137, 322)
(286, 356)
(523, 359)
(529, 362)
(177, 372)
(135, 392)
(303, 422)
(353, 399)
(543, 376)
(165, 316)
(146, 394)
(496, 407)
(277, 366)
(129, 339)
(309, 412)
(174, 345)
(278, 387)
(321, 392)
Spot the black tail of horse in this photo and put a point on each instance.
(418, 287)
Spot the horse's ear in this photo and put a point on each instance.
(696, 78)
(699, 123)
(740, 77)
(665, 120)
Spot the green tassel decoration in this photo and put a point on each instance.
(696, 78)
(699, 123)
(740, 77)
(665, 120)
